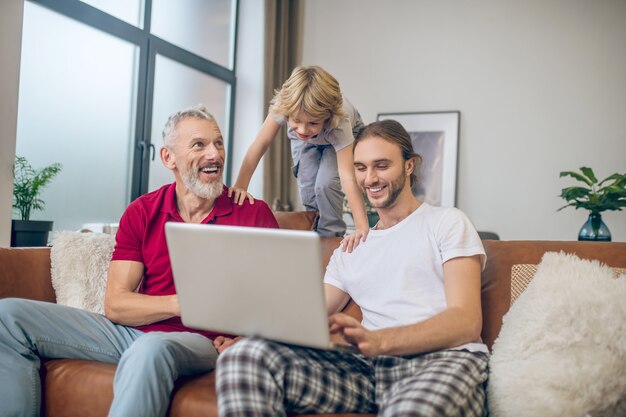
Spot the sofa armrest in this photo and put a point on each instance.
(25, 273)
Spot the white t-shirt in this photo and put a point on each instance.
(339, 137)
(396, 276)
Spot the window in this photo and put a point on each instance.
(204, 27)
(97, 84)
(194, 86)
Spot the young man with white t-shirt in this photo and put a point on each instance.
(417, 281)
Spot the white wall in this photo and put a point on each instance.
(249, 105)
(10, 46)
(541, 87)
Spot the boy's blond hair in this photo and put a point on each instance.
(313, 91)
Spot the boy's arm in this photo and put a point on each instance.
(124, 306)
(459, 323)
(345, 165)
(256, 151)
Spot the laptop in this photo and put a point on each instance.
(251, 281)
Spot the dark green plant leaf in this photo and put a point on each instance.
(28, 184)
(572, 193)
(614, 189)
(577, 176)
(588, 172)
(608, 194)
(565, 206)
(620, 180)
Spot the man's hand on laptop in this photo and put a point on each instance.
(222, 342)
(368, 342)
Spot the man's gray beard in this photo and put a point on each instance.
(209, 191)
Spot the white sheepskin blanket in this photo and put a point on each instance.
(80, 262)
(562, 347)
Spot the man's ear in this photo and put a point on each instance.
(167, 157)
(409, 166)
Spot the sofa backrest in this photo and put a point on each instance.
(25, 273)
(502, 255)
(297, 220)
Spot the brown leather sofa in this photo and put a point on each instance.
(82, 388)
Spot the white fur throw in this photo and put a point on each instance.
(562, 347)
(80, 262)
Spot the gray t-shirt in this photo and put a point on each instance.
(339, 137)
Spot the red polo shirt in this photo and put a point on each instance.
(141, 238)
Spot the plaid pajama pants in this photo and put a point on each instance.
(256, 377)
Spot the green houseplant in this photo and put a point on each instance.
(28, 183)
(595, 196)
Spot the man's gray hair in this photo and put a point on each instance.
(199, 111)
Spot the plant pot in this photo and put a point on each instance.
(30, 232)
(594, 229)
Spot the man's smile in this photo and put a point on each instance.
(209, 170)
(375, 190)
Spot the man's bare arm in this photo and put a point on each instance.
(124, 306)
(336, 299)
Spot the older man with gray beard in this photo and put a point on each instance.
(142, 331)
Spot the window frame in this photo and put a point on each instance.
(149, 46)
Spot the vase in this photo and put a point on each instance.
(594, 229)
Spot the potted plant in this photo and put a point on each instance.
(28, 184)
(595, 196)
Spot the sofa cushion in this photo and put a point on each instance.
(79, 265)
(85, 389)
(561, 349)
(522, 274)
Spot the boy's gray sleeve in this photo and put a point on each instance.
(342, 136)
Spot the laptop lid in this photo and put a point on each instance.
(250, 281)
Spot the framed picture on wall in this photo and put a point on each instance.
(435, 137)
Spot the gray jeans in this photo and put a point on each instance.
(320, 188)
(148, 364)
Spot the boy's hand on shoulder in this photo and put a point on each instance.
(239, 195)
(369, 343)
(351, 241)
